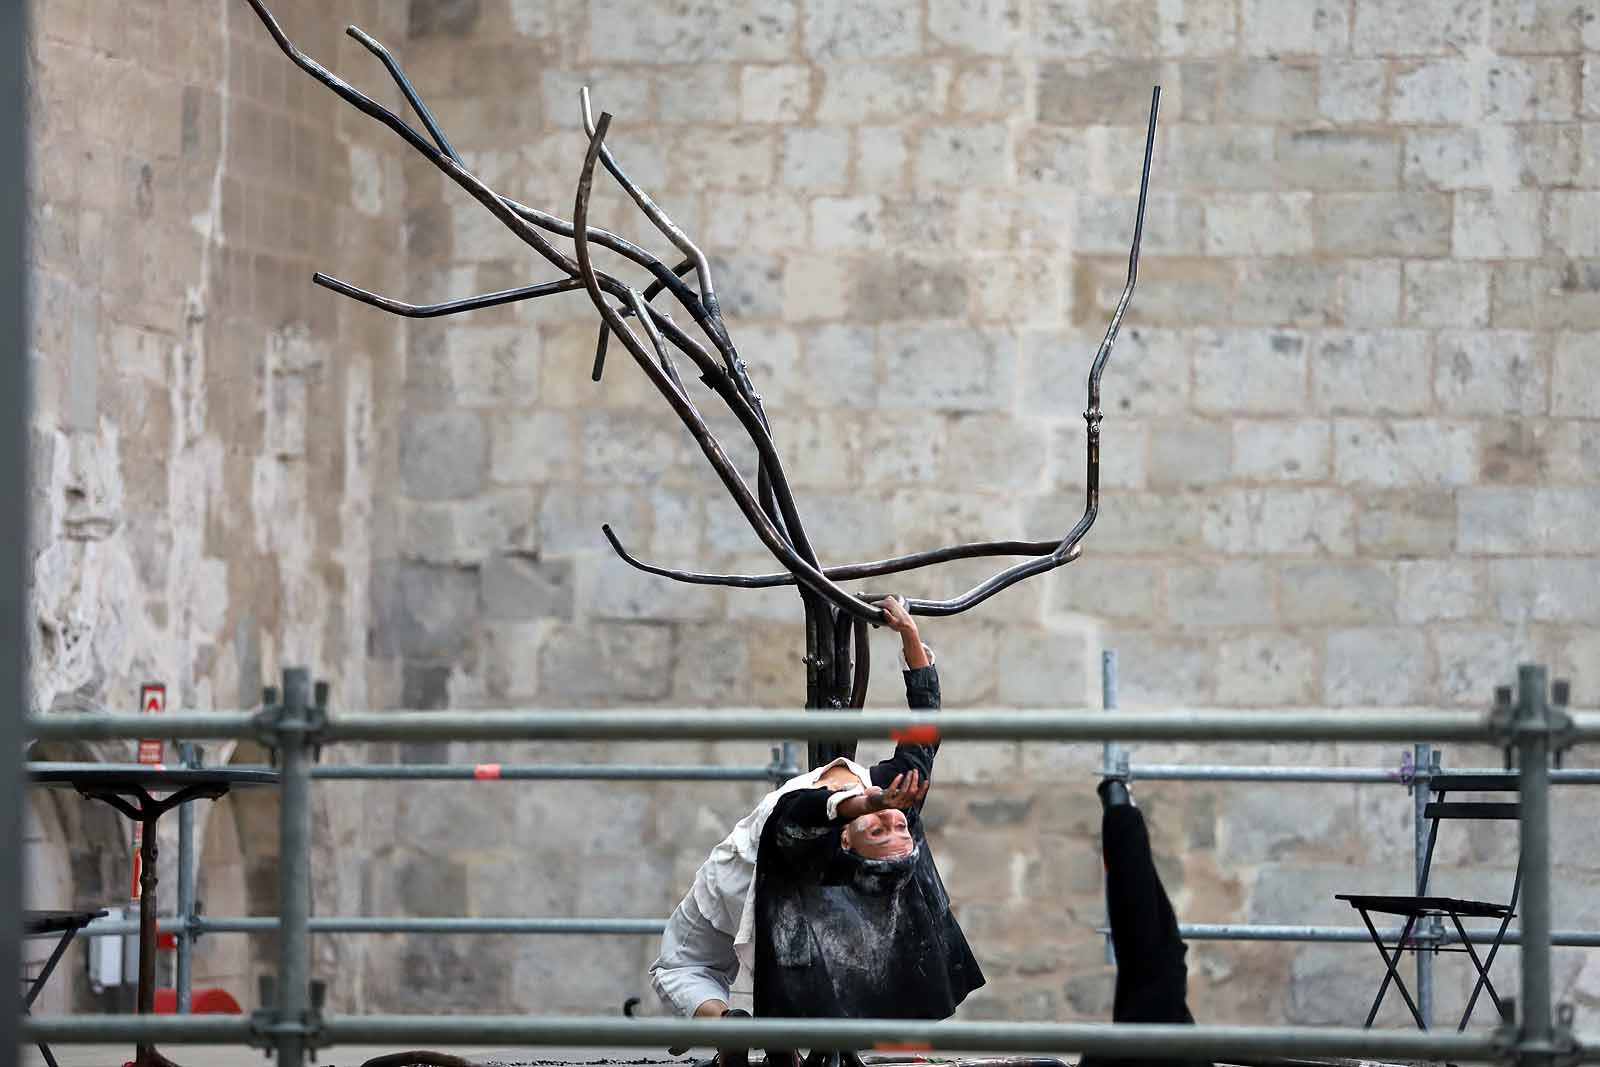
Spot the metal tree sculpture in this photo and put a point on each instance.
(837, 662)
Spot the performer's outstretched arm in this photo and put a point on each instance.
(922, 694)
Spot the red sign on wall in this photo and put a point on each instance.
(152, 701)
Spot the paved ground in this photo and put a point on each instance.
(344, 1056)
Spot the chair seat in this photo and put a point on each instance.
(1417, 907)
(57, 922)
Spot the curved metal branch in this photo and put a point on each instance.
(449, 307)
(656, 342)
(803, 571)
(377, 48)
(850, 571)
(1063, 552)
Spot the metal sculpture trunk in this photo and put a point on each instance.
(837, 662)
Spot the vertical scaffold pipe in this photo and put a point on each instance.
(1532, 735)
(294, 868)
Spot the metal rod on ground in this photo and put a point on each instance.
(1112, 759)
(294, 869)
(1199, 1042)
(1532, 724)
(1422, 757)
(186, 862)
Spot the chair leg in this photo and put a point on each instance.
(1483, 973)
(1392, 963)
(1488, 962)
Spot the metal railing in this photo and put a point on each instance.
(297, 724)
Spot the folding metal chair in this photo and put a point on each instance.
(65, 923)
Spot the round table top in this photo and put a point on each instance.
(150, 777)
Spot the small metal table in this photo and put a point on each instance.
(129, 789)
(1415, 908)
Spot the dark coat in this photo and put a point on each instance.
(842, 936)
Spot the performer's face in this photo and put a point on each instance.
(882, 835)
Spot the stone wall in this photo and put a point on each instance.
(1350, 438)
(211, 455)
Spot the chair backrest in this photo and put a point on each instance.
(1441, 785)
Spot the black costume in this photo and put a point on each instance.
(1152, 979)
(843, 936)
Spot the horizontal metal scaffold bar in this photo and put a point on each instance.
(531, 772)
(1226, 772)
(1398, 724)
(1208, 1042)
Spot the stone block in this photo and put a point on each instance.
(1503, 224)
(1540, 296)
(816, 158)
(1446, 293)
(1190, 453)
(949, 368)
(1395, 28)
(1249, 373)
(1270, 90)
(1054, 156)
(1537, 452)
(1545, 590)
(989, 89)
(1576, 379)
(749, 285)
(528, 448)
(985, 27)
(1348, 593)
(1265, 669)
(1148, 374)
(816, 288)
(1280, 522)
(1490, 373)
(603, 662)
(775, 93)
(1572, 225)
(1543, 89)
(723, 159)
(1197, 28)
(1292, 450)
(1376, 666)
(525, 587)
(882, 92)
(1119, 590)
(700, 94)
(1220, 594)
(1390, 453)
(510, 661)
(610, 589)
(1410, 224)
(1372, 293)
(1462, 157)
(1412, 523)
(1377, 372)
(1439, 590)
(1279, 292)
(1172, 291)
(891, 288)
(630, 448)
(1160, 670)
(876, 29)
(1472, 661)
(1295, 27)
(964, 156)
(1352, 91)
(1538, 26)
(1259, 224)
(621, 32)
(1523, 521)
(1175, 225)
(1155, 523)
(1053, 667)
(992, 453)
(1101, 93)
(881, 157)
(442, 455)
(711, 666)
(774, 221)
(1076, 29)
(1225, 157)
(1438, 92)
(569, 518)
(423, 610)
(452, 18)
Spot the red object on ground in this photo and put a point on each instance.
(921, 734)
(201, 1002)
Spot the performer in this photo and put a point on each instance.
(873, 814)
(1152, 978)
